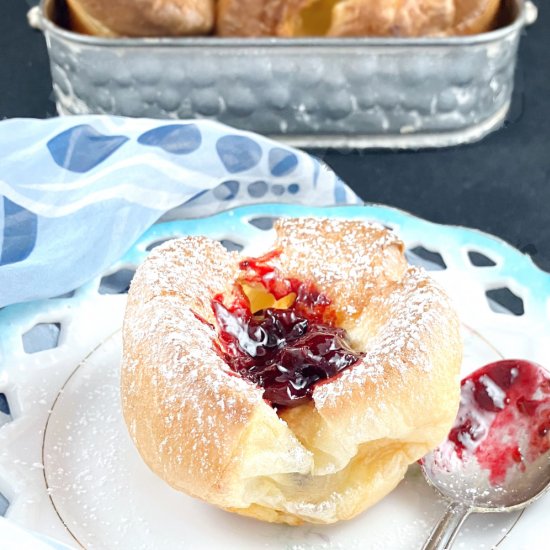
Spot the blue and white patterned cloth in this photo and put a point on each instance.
(76, 193)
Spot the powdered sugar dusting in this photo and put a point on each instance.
(180, 368)
(407, 312)
(192, 424)
(191, 269)
(170, 358)
(348, 260)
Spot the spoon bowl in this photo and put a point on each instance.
(472, 486)
(497, 455)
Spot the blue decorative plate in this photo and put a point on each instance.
(69, 469)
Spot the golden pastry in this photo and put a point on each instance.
(397, 18)
(298, 386)
(115, 18)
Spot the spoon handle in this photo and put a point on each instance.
(446, 530)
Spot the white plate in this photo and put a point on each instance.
(70, 470)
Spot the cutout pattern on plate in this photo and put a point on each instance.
(231, 246)
(118, 282)
(504, 297)
(265, 223)
(154, 244)
(4, 405)
(5, 412)
(4, 505)
(41, 337)
(477, 259)
(430, 259)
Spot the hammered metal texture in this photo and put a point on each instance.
(346, 90)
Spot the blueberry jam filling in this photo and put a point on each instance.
(286, 351)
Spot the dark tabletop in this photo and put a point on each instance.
(500, 185)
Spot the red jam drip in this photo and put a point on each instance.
(285, 351)
(504, 416)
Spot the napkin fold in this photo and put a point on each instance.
(76, 193)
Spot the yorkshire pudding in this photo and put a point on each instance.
(332, 293)
(398, 18)
(114, 18)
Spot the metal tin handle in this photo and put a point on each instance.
(34, 18)
(531, 13)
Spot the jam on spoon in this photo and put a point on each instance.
(497, 455)
(279, 333)
(504, 417)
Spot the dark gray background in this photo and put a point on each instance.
(500, 185)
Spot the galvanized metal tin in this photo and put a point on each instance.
(366, 92)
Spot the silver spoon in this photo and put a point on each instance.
(468, 486)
